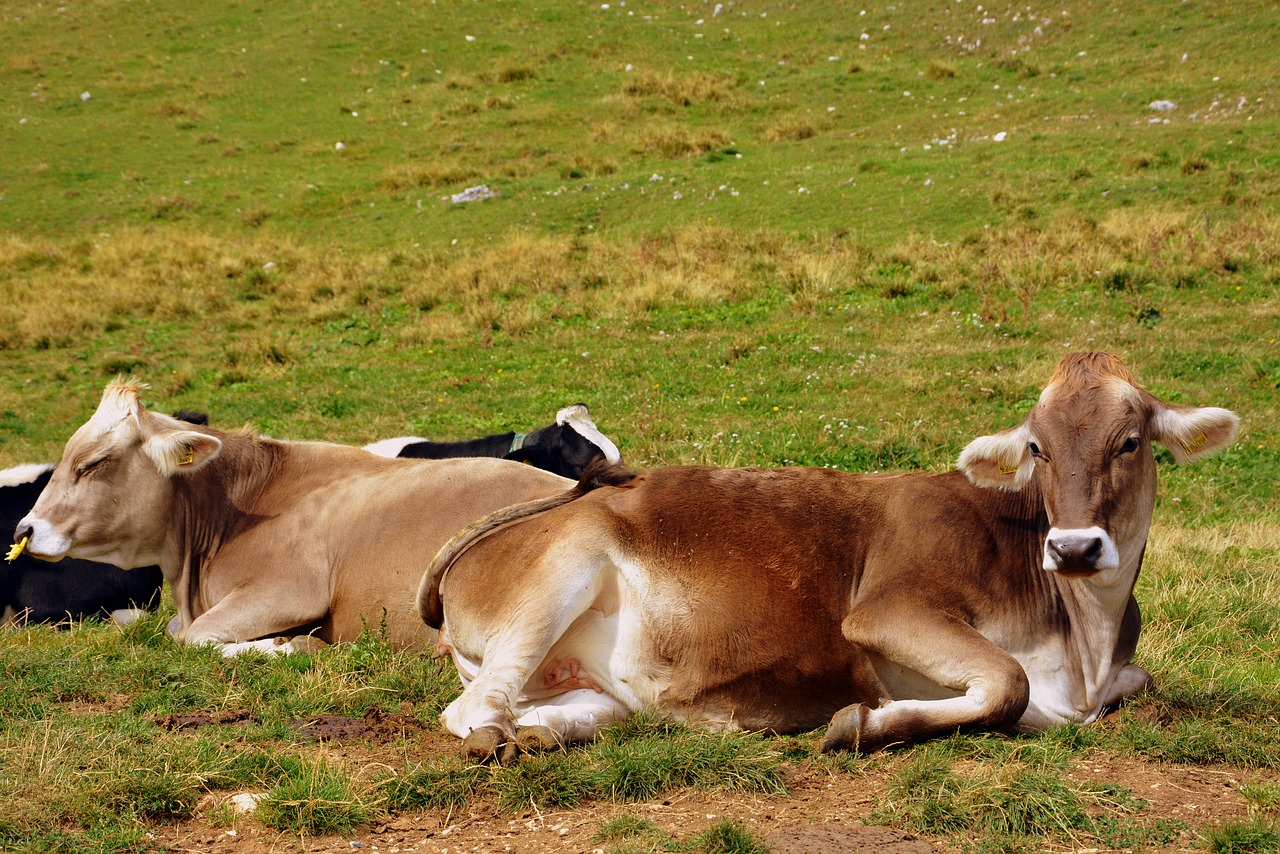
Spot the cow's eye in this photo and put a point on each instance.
(89, 467)
(1130, 445)
(1035, 450)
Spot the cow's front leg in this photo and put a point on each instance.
(247, 620)
(942, 675)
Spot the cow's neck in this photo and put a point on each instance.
(209, 507)
(1092, 609)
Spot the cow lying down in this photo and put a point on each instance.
(259, 537)
(565, 447)
(891, 608)
(31, 591)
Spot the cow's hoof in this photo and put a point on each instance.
(537, 739)
(489, 744)
(845, 730)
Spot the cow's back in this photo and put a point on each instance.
(383, 521)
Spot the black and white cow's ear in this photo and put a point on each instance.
(578, 418)
(1002, 460)
(1192, 432)
(181, 451)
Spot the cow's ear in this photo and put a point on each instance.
(1002, 460)
(578, 418)
(182, 451)
(1192, 432)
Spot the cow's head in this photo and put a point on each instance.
(1087, 446)
(568, 446)
(109, 495)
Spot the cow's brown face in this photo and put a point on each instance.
(1092, 458)
(108, 498)
(1087, 446)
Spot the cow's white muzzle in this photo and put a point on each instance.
(45, 542)
(1072, 550)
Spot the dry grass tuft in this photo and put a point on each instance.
(940, 70)
(684, 90)
(516, 74)
(673, 141)
(413, 176)
(790, 128)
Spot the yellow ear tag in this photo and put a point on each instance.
(1007, 470)
(1196, 442)
(188, 458)
(16, 549)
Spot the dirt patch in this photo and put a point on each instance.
(838, 839)
(376, 725)
(195, 720)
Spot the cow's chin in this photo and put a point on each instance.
(47, 558)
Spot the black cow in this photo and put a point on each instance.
(33, 591)
(564, 448)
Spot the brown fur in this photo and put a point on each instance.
(899, 607)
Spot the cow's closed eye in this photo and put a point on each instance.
(88, 468)
(1130, 445)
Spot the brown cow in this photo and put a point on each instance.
(259, 537)
(893, 607)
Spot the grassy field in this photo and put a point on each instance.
(744, 233)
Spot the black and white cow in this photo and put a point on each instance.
(70, 590)
(564, 448)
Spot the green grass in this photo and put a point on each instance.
(688, 239)
(1258, 836)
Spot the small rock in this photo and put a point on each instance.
(1162, 106)
(474, 194)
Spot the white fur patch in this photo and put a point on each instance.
(577, 417)
(119, 403)
(25, 473)
(391, 447)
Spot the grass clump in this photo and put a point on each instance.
(634, 834)
(1257, 836)
(1013, 802)
(317, 799)
(635, 760)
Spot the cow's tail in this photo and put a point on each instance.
(599, 472)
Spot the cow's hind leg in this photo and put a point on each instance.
(909, 651)
(484, 716)
(574, 716)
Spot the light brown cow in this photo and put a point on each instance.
(893, 607)
(259, 537)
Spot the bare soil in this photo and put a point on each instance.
(823, 814)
